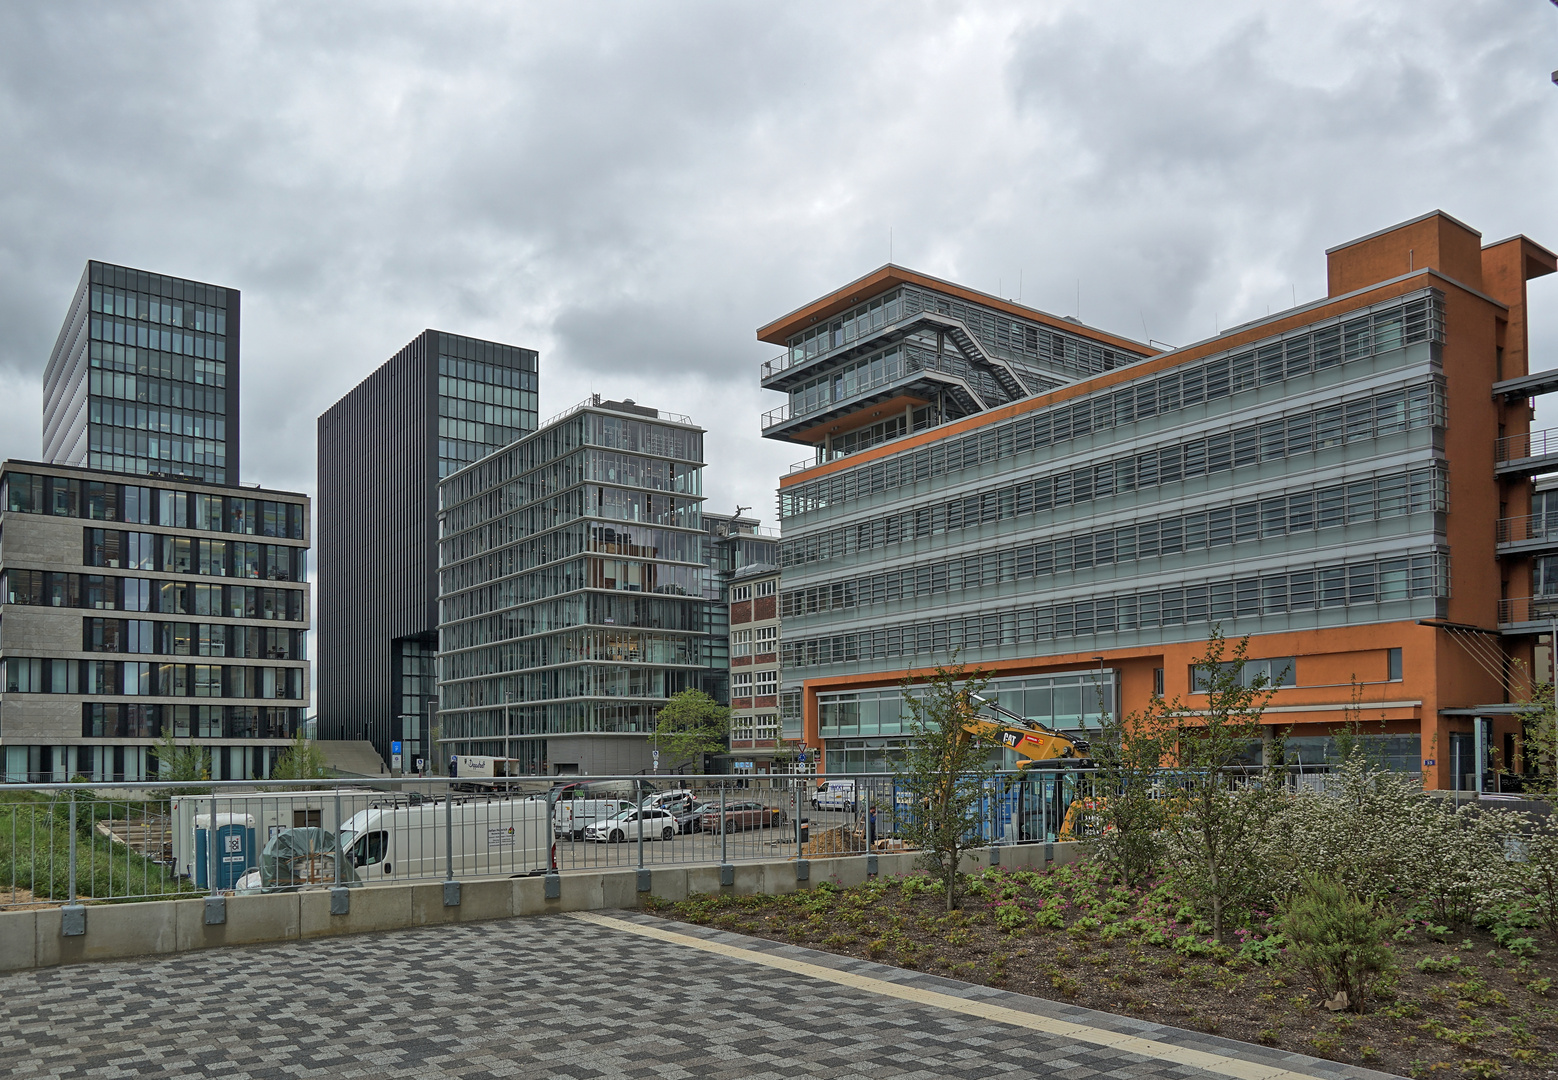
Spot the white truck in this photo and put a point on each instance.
(493, 837)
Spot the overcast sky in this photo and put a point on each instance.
(633, 188)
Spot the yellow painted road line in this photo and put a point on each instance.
(985, 1010)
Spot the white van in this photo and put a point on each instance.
(492, 837)
(834, 795)
(570, 817)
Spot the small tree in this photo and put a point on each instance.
(181, 764)
(1129, 752)
(947, 771)
(692, 725)
(1539, 722)
(303, 760)
(1216, 829)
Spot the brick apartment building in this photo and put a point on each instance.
(754, 669)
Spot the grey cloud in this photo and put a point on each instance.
(632, 188)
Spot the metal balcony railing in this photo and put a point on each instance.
(783, 362)
(775, 417)
(1516, 610)
(1516, 530)
(595, 400)
(1531, 444)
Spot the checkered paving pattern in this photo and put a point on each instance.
(539, 997)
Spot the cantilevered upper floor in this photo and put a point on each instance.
(897, 351)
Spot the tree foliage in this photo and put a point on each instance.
(1221, 811)
(1129, 752)
(947, 772)
(1539, 722)
(1338, 937)
(303, 760)
(691, 725)
(188, 762)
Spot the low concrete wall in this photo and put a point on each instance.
(33, 939)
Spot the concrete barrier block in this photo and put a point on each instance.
(314, 918)
(254, 919)
(619, 889)
(18, 940)
(479, 900)
(843, 872)
(669, 883)
(379, 907)
(584, 892)
(749, 879)
(427, 903)
(1069, 852)
(529, 896)
(117, 930)
(702, 879)
(47, 941)
(189, 924)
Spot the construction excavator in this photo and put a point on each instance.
(1040, 748)
(1036, 746)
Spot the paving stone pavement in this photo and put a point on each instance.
(551, 997)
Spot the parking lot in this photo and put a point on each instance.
(698, 846)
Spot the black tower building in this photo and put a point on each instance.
(437, 405)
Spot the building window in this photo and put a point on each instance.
(766, 683)
(1157, 682)
(767, 639)
(741, 643)
(1394, 666)
(765, 726)
(1278, 671)
(768, 588)
(740, 593)
(741, 684)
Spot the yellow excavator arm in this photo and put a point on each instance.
(1030, 740)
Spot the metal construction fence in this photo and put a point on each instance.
(98, 842)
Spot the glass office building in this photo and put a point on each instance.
(572, 590)
(132, 610)
(143, 378)
(440, 403)
(1346, 481)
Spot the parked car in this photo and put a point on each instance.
(658, 825)
(691, 819)
(572, 816)
(742, 815)
(673, 801)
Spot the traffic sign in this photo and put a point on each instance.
(395, 747)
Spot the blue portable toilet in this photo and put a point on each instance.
(236, 853)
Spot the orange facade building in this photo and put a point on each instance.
(1347, 482)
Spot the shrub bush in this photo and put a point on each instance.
(1338, 937)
